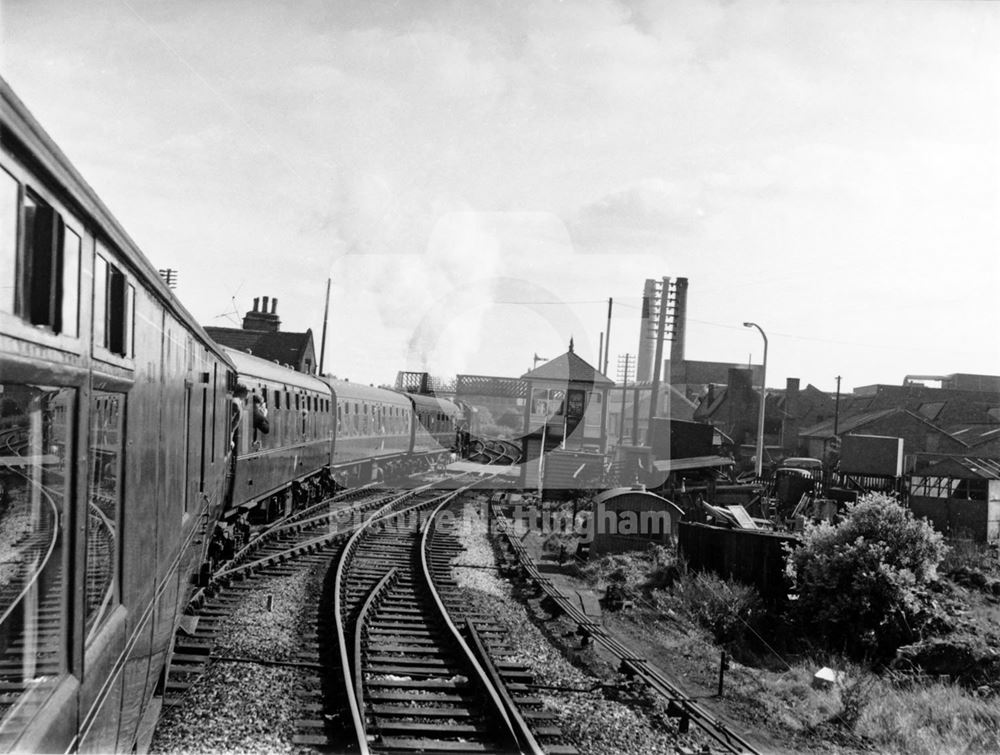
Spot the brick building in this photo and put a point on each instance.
(262, 337)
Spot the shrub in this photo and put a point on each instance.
(723, 607)
(863, 583)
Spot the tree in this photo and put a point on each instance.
(863, 583)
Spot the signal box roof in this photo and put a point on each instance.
(569, 368)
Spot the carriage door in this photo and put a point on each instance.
(187, 446)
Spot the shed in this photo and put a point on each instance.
(628, 519)
(960, 496)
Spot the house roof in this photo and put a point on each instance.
(569, 368)
(281, 347)
(824, 429)
(850, 424)
(974, 434)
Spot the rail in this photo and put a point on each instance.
(629, 662)
(516, 729)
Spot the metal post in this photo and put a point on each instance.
(763, 401)
(600, 350)
(621, 430)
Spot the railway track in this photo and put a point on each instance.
(304, 540)
(519, 564)
(418, 674)
(501, 452)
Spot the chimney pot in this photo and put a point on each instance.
(264, 308)
(274, 305)
(256, 303)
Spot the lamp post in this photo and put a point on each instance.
(763, 398)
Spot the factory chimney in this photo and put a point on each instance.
(647, 337)
(680, 321)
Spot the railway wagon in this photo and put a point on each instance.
(436, 421)
(373, 426)
(298, 441)
(113, 453)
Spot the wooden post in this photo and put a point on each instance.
(722, 670)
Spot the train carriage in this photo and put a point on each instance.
(437, 421)
(298, 439)
(112, 458)
(373, 425)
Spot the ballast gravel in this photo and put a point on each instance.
(588, 719)
(243, 706)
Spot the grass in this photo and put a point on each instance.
(931, 718)
(869, 712)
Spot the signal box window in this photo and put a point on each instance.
(104, 495)
(35, 467)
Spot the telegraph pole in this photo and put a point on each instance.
(661, 329)
(607, 339)
(623, 376)
(326, 314)
(836, 409)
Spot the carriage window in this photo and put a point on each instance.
(117, 330)
(100, 300)
(107, 413)
(114, 307)
(9, 192)
(39, 296)
(130, 321)
(71, 283)
(35, 466)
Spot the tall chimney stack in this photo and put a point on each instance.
(680, 321)
(647, 339)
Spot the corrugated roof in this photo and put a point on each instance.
(569, 367)
(694, 462)
(283, 347)
(964, 467)
(846, 424)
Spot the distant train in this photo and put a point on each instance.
(120, 461)
(323, 429)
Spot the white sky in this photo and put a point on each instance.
(479, 177)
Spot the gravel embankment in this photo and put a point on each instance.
(248, 707)
(589, 720)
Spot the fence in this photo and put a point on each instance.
(748, 556)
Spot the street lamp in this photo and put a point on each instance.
(763, 399)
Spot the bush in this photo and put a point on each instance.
(725, 608)
(862, 584)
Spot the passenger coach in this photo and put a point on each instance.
(113, 451)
